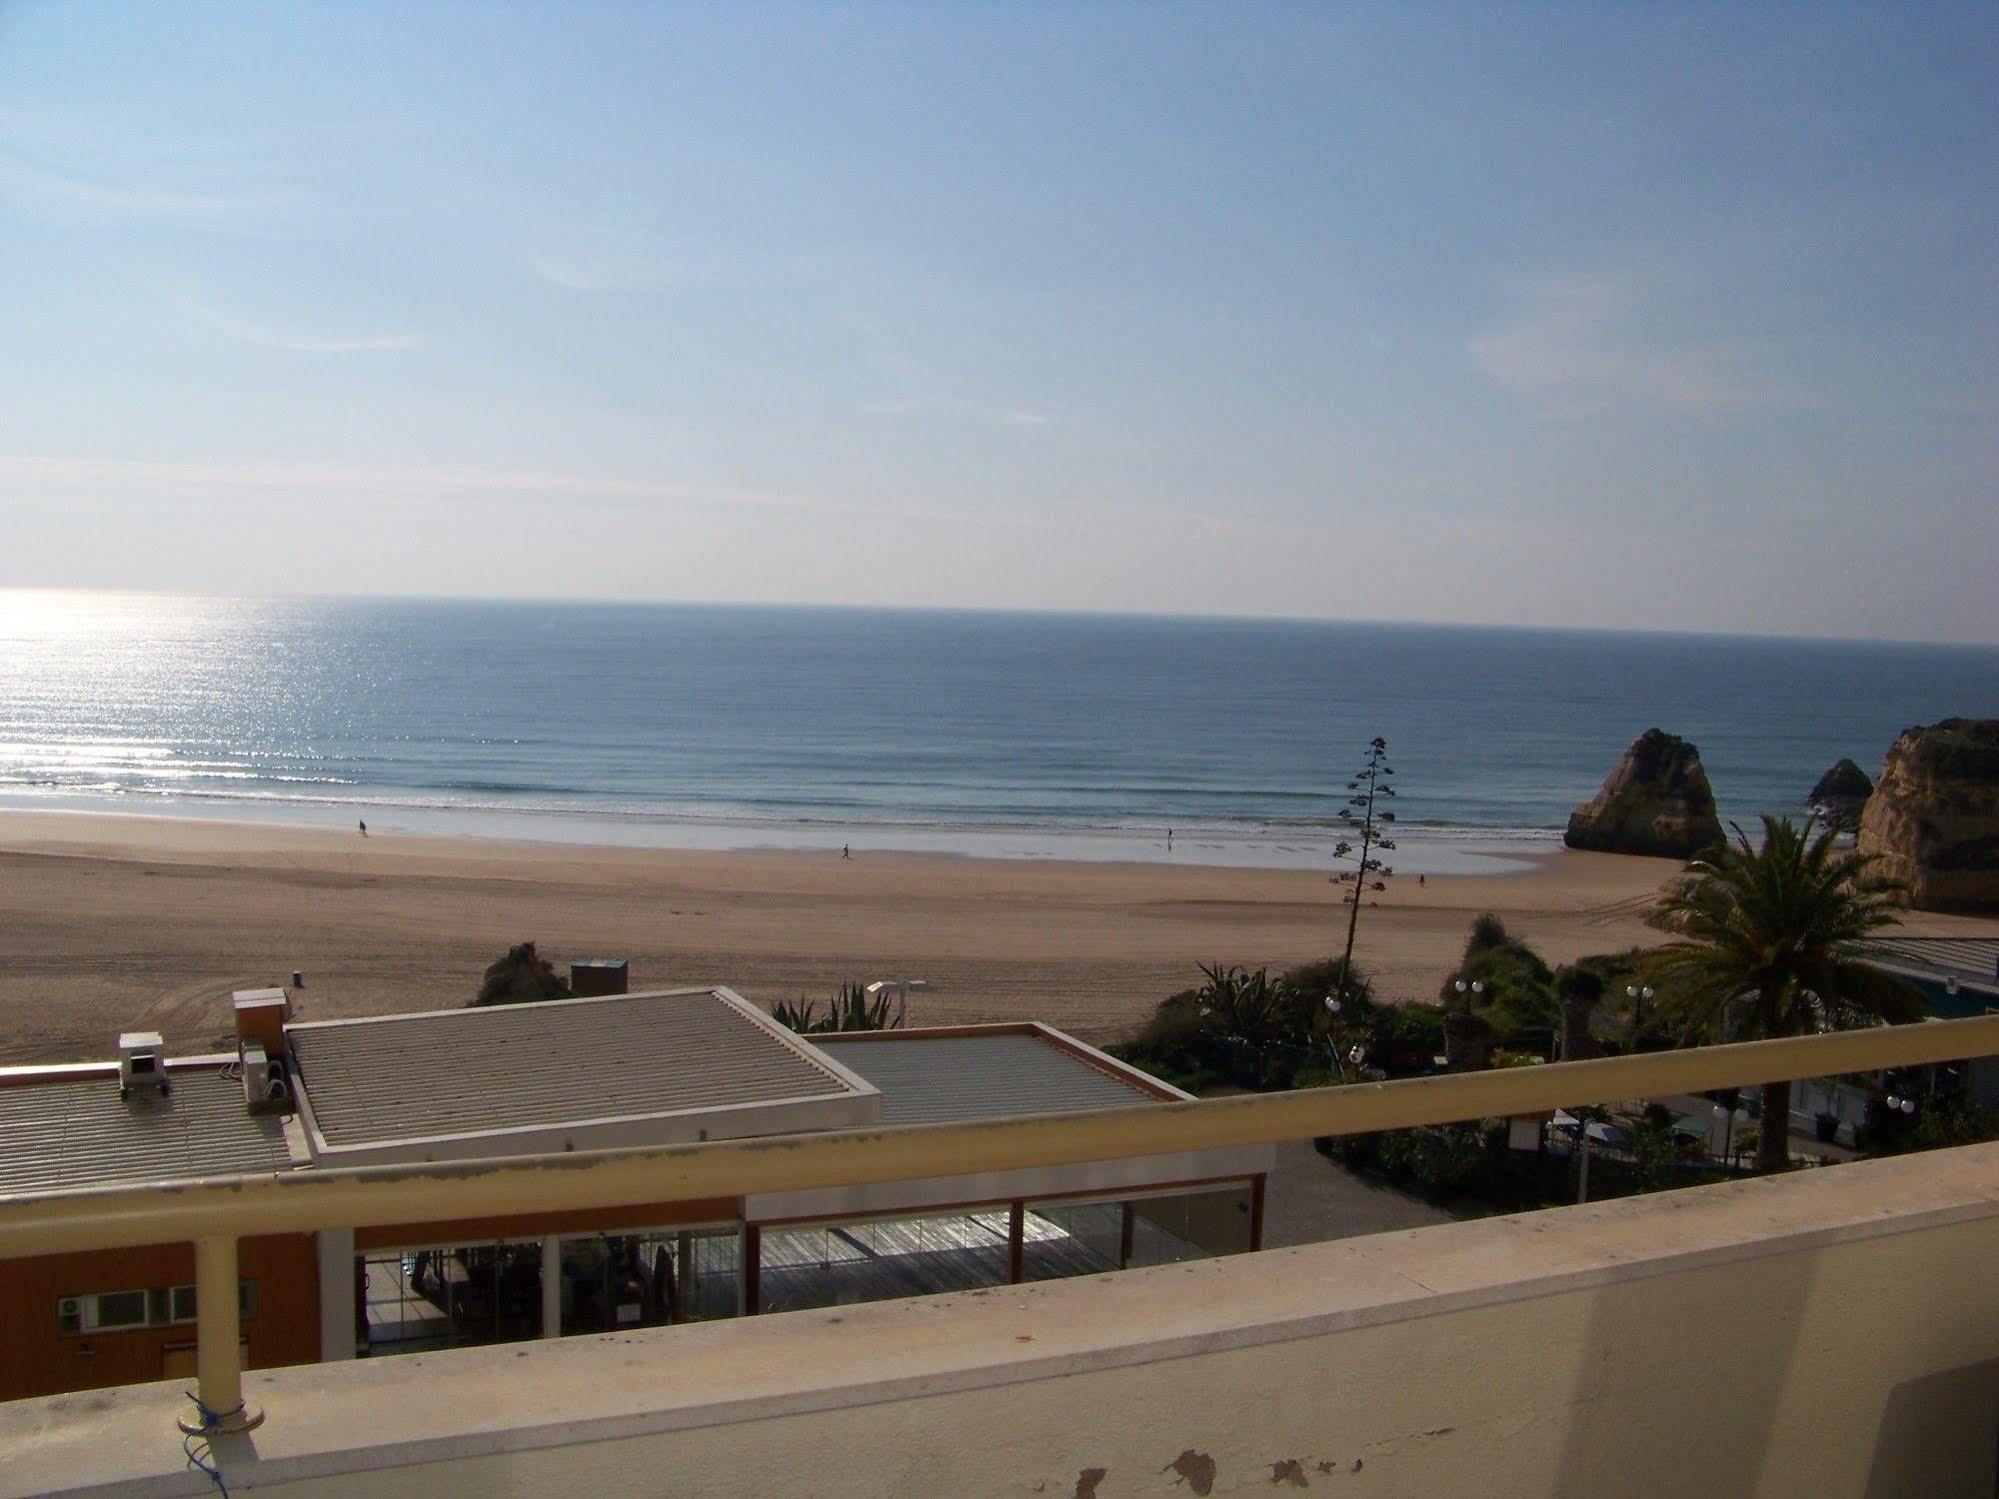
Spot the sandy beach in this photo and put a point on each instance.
(114, 923)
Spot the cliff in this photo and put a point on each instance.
(1933, 820)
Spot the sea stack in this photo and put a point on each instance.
(1933, 820)
(1840, 794)
(1656, 802)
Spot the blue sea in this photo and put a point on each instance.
(1015, 735)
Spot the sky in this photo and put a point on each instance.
(1604, 315)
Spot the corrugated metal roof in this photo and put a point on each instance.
(1976, 958)
(565, 1063)
(62, 1136)
(931, 1079)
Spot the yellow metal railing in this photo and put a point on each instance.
(215, 1213)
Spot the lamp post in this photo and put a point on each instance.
(1475, 987)
(1638, 994)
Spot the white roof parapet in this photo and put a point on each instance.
(658, 1067)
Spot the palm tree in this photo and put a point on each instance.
(1771, 946)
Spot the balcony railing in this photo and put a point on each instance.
(214, 1213)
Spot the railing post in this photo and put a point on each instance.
(218, 1361)
(551, 1286)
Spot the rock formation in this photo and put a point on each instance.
(1655, 802)
(1933, 820)
(1840, 794)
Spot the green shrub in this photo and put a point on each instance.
(1439, 1160)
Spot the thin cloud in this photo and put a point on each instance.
(36, 188)
(931, 405)
(294, 343)
(113, 478)
(75, 171)
(1576, 346)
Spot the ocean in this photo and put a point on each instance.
(1013, 735)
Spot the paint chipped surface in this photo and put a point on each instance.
(1195, 1469)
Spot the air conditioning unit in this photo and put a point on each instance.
(265, 1088)
(142, 1064)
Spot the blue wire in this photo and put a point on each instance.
(203, 1458)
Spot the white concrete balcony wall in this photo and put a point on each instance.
(1831, 1333)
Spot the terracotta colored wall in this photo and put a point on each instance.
(35, 1359)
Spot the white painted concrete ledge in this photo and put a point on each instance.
(430, 1412)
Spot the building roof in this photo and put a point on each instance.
(76, 1132)
(1973, 958)
(988, 1073)
(564, 1074)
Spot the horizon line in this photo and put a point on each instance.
(997, 610)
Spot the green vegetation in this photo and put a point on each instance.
(849, 1010)
(1766, 946)
(1504, 983)
(1769, 946)
(1371, 824)
(523, 976)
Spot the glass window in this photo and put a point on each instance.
(155, 1306)
(114, 1309)
(648, 1278)
(1060, 1239)
(878, 1259)
(1191, 1225)
(1068, 1237)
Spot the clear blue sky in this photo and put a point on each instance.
(1650, 316)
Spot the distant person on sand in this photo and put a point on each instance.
(846, 852)
(1419, 879)
(1169, 837)
(364, 827)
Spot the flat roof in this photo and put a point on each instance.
(1972, 958)
(989, 1072)
(76, 1132)
(571, 1073)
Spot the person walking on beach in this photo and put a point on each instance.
(364, 827)
(846, 852)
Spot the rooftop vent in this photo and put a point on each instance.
(265, 1088)
(142, 1064)
(590, 978)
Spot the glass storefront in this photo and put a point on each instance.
(450, 1295)
(447, 1295)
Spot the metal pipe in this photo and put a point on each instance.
(218, 1359)
(308, 1200)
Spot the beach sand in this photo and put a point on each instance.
(111, 923)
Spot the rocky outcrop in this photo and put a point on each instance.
(1845, 780)
(1932, 823)
(1840, 794)
(1656, 802)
